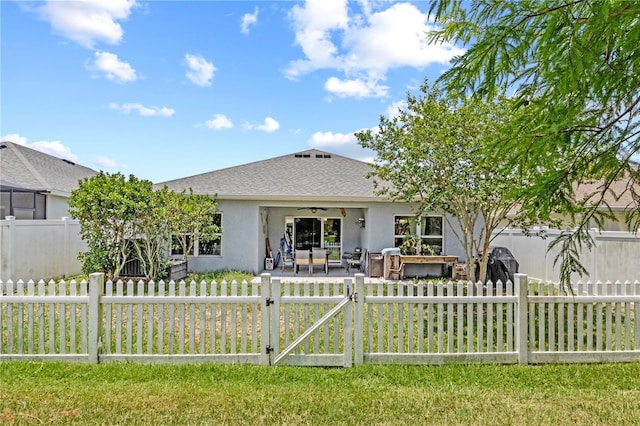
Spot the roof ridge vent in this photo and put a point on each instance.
(69, 162)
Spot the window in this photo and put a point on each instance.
(432, 235)
(176, 246)
(408, 230)
(212, 247)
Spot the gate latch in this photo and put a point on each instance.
(269, 301)
(353, 297)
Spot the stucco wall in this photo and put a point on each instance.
(380, 234)
(352, 234)
(247, 224)
(57, 206)
(380, 228)
(240, 240)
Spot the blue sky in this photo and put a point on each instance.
(168, 89)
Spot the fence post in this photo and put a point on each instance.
(348, 325)
(274, 310)
(358, 327)
(265, 308)
(522, 287)
(96, 291)
(66, 247)
(10, 241)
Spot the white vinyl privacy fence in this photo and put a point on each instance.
(319, 323)
(615, 255)
(40, 248)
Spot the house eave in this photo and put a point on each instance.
(327, 199)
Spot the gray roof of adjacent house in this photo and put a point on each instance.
(27, 168)
(619, 196)
(302, 176)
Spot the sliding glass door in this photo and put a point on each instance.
(319, 232)
(332, 238)
(308, 232)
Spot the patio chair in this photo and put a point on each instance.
(357, 262)
(302, 257)
(286, 259)
(319, 257)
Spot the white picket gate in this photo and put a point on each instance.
(319, 323)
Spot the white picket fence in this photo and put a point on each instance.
(319, 323)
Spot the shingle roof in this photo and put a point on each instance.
(306, 175)
(618, 196)
(31, 169)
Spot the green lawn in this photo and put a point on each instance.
(63, 393)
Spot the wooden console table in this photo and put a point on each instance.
(422, 259)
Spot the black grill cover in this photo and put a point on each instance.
(501, 265)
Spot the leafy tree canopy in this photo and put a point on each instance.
(433, 152)
(122, 217)
(574, 68)
(107, 206)
(193, 214)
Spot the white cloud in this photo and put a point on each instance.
(313, 24)
(269, 126)
(55, 148)
(15, 138)
(200, 71)
(142, 110)
(219, 122)
(330, 139)
(395, 37)
(106, 162)
(112, 67)
(364, 46)
(87, 22)
(393, 110)
(342, 144)
(248, 19)
(356, 88)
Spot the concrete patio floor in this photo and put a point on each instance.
(336, 273)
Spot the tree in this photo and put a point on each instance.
(432, 152)
(107, 206)
(122, 217)
(193, 218)
(573, 67)
(151, 232)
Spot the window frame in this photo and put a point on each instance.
(420, 223)
(197, 246)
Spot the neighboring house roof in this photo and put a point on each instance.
(619, 196)
(10, 185)
(303, 176)
(28, 168)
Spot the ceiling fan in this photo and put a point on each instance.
(312, 209)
